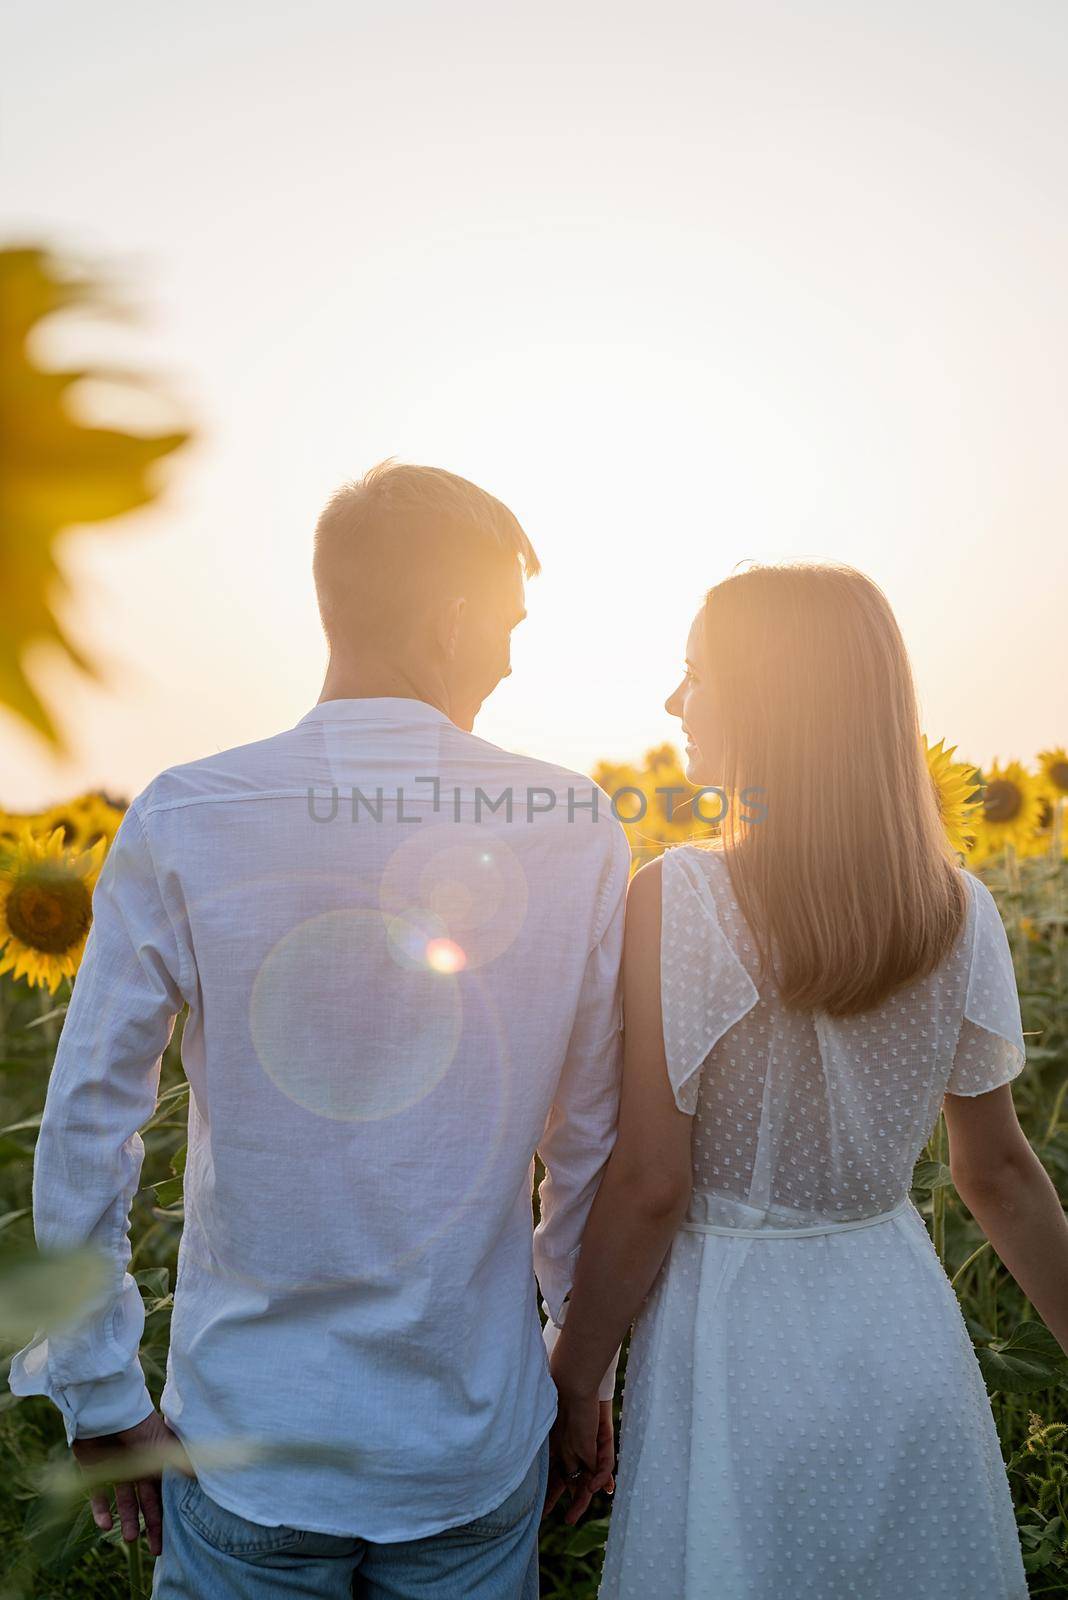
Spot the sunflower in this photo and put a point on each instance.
(64, 816)
(100, 819)
(1011, 810)
(1053, 819)
(653, 820)
(11, 824)
(1054, 768)
(957, 790)
(46, 894)
(84, 819)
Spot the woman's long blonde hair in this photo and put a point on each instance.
(848, 883)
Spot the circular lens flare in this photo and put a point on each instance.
(445, 955)
(464, 885)
(369, 1063)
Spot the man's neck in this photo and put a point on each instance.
(374, 683)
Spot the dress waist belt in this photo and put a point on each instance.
(693, 1225)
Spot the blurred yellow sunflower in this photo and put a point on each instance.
(653, 802)
(9, 829)
(84, 819)
(1054, 768)
(46, 894)
(65, 815)
(1053, 817)
(957, 791)
(100, 819)
(1011, 810)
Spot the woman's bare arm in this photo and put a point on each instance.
(1012, 1198)
(646, 1186)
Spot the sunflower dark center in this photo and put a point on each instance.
(1001, 801)
(47, 913)
(1059, 773)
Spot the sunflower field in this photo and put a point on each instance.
(1008, 824)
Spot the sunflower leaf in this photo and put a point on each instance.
(55, 472)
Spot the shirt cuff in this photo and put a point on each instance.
(551, 1332)
(90, 1409)
(107, 1405)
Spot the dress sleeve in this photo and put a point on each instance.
(704, 987)
(990, 1048)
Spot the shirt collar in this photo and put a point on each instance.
(376, 708)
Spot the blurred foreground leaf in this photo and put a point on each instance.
(47, 1291)
(54, 472)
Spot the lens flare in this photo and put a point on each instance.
(465, 885)
(445, 955)
(369, 1065)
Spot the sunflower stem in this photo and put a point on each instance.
(136, 1571)
(966, 1264)
(45, 1004)
(1015, 918)
(938, 1197)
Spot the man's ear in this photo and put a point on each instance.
(450, 621)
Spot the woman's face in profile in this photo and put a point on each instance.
(693, 702)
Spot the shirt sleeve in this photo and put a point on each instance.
(102, 1089)
(581, 1127)
(990, 1048)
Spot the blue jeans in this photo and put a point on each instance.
(210, 1553)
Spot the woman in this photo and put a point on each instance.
(805, 1415)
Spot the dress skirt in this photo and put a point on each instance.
(804, 1416)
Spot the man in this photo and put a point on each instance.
(399, 946)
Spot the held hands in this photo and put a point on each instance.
(141, 1491)
(582, 1453)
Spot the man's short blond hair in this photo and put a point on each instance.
(403, 535)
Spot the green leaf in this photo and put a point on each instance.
(1030, 1358)
(155, 1281)
(55, 473)
(48, 1290)
(980, 1333)
(169, 1192)
(11, 1152)
(59, 1537)
(589, 1536)
(931, 1175)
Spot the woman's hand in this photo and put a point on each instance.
(582, 1453)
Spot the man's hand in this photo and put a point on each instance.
(133, 1495)
(583, 1440)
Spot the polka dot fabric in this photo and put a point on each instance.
(804, 1418)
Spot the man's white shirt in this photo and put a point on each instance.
(400, 948)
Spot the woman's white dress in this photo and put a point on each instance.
(804, 1415)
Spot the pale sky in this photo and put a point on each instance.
(682, 284)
